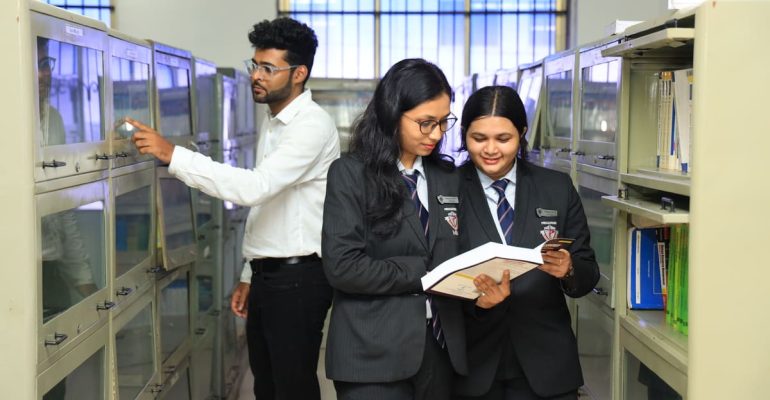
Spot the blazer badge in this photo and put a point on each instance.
(451, 219)
(549, 232)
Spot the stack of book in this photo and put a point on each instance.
(658, 273)
(675, 120)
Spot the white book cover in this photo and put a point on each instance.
(454, 277)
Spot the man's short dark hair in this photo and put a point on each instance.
(286, 34)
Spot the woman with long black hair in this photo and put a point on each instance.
(390, 216)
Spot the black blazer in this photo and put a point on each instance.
(378, 327)
(533, 324)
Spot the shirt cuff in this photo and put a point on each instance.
(246, 273)
(181, 158)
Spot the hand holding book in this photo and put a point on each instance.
(455, 277)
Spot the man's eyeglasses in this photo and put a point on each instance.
(265, 69)
(46, 63)
(427, 126)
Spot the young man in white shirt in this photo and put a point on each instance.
(283, 291)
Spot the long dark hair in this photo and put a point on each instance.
(496, 101)
(376, 136)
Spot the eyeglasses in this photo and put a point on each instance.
(265, 69)
(427, 126)
(46, 63)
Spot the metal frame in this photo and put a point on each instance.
(175, 58)
(80, 319)
(173, 258)
(68, 159)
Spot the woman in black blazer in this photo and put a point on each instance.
(390, 215)
(524, 347)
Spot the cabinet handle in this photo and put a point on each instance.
(121, 155)
(667, 202)
(106, 306)
(563, 150)
(58, 338)
(54, 164)
(578, 153)
(124, 291)
(605, 157)
(104, 157)
(599, 291)
(200, 331)
(155, 270)
(157, 388)
(170, 369)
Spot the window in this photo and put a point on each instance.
(358, 39)
(96, 9)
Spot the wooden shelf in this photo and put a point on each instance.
(667, 181)
(648, 210)
(671, 37)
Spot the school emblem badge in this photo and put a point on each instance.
(451, 219)
(549, 232)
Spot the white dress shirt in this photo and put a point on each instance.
(492, 195)
(285, 190)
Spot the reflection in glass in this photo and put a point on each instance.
(86, 382)
(204, 209)
(206, 100)
(177, 213)
(72, 249)
(599, 117)
(205, 291)
(133, 214)
(559, 87)
(134, 347)
(174, 315)
(181, 389)
(228, 112)
(529, 90)
(131, 93)
(174, 98)
(69, 93)
(600, 225)
(643, 384)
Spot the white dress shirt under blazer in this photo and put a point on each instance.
(285, 190)
(493, 196)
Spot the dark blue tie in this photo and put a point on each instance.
(504, 210)
(411, 183)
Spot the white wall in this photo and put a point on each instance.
(213, 30)
(590, 17)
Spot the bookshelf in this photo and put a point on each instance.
(725, 193)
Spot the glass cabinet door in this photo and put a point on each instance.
(599, 93)
(130, 79)
(601, 225)
(73, 263)
(80, 375)
(173, 83)
(68, 77)
(174, 309)
(135, 353)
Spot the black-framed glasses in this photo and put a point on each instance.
(427, 126)
(265, 69)
(46, 63)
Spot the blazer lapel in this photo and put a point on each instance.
(478, 203)
(524, 191)
(410, 214)
(434, 213)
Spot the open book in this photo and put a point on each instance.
(454, 277)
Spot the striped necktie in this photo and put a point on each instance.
(411, 183)
(504, 210)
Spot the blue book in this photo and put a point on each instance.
(645, 291)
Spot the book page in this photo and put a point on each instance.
(460, 283)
